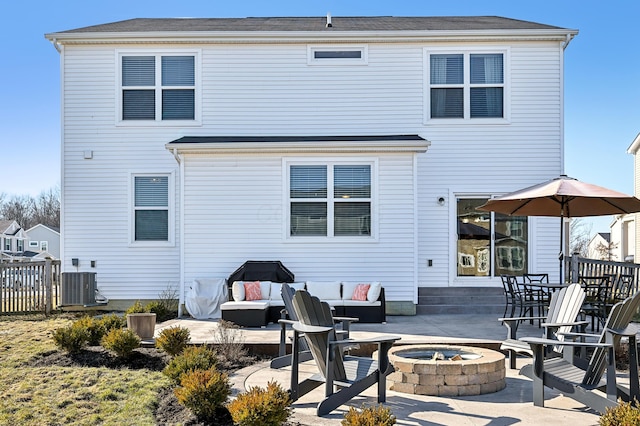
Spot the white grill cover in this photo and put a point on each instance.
(205, 297)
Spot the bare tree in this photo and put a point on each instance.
(606, 251)
(29, 211)
(579, 232)
(19, 208)
(47, 208)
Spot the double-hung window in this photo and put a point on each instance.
(330, 200)
(158, 87)
(466, 85)
(151, 213)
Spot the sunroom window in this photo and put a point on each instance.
(331, 200)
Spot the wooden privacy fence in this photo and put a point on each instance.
(29, 286)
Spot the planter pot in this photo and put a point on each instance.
(143, 325)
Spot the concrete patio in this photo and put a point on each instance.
(512, 405)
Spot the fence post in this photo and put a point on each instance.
(48, 285)
(575, 267)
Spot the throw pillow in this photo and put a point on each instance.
(360, 293)
(252, 290)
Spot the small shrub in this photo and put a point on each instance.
(625, 413)
(267, 407)
(369, 416)
(162, 311)
(229, 341)
(70, 339)
(113, 321)
(173, 340)
(95, 329)
(192, 358)
(136, 308)
(121, 341)
(204, 392)
(168, 298)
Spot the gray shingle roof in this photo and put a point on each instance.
(377, 23)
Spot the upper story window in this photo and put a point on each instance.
(20, 245)
(158, 87)
(466, 85)
(330, 200)
(337, 55)
(7, 244)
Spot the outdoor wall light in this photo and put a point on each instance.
(441, 201)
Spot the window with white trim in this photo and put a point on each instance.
(466, 85)
(330, 200)
(337, 55)
(151, 208)
(20, 246)
(158, 87)
(34, 244)
(44, 245)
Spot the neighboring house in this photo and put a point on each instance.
(623, 237)
(599, 247)
(633, 149)
(347, 148)
(44, 240)
(12, 240)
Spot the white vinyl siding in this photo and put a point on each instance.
(234, 205)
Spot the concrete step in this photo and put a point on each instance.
(460, 300)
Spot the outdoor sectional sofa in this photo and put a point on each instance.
(339, 295)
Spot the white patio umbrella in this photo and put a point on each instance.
(563, 197)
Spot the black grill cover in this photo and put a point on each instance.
(262, 270)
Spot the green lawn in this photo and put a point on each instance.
(55, 395)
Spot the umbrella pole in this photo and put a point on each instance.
(561, 253)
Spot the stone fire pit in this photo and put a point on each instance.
(473, 371)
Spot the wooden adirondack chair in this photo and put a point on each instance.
(344, 376)
(586, 385)
(564, 308)
(288, 318)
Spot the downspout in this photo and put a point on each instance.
(180, 160)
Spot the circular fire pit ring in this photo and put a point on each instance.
(443, 370)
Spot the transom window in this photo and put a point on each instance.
(490, 244)
(337, 55)
(330, 200)
(466, 85)
(158, 87)
(151, 208)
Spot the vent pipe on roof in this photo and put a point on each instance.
(329, 24)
